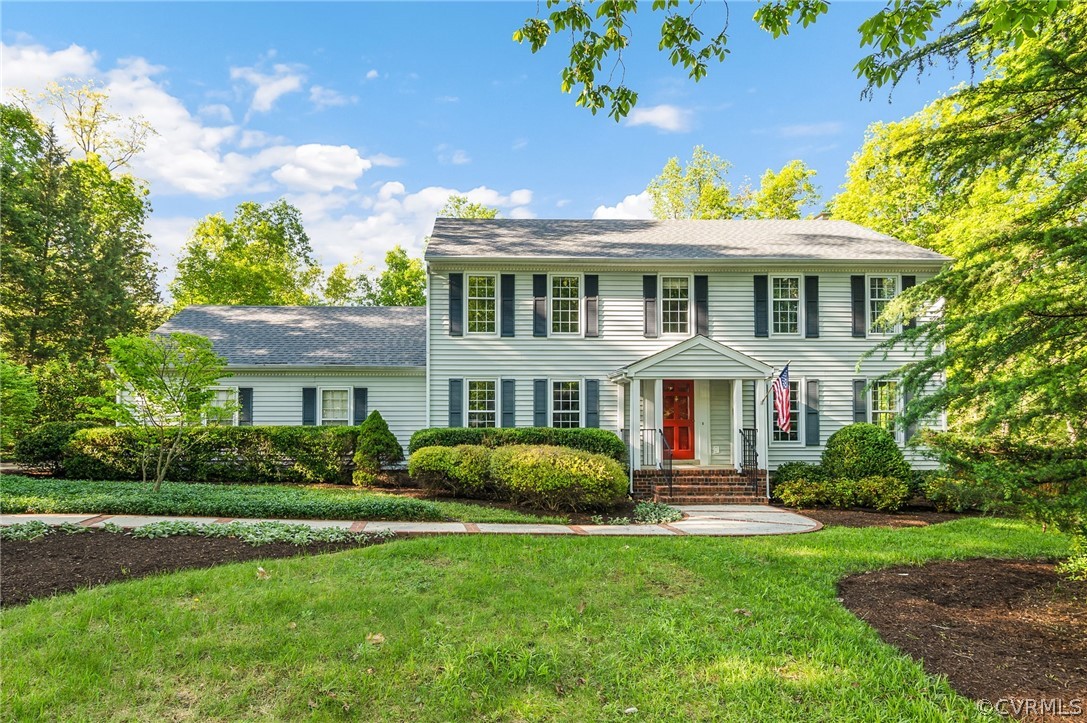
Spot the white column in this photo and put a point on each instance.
(761, 433)
(658, 416)
(634, 425)
(737, 422)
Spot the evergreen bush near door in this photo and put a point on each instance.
(863, 450)
(598, 441)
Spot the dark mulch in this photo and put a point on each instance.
(998, 629)
(61, 562)
(866, 518)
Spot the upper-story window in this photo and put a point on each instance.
(566, 404)
(884, 400)
(565, 304)
(675, 304)
(881, 289)
(482, 403)
(786, 304)
(482, 304)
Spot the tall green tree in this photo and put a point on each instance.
(401, 283)
(77, 263)
(260, 257)
(784, 193)
(18, 398)
(460, 207)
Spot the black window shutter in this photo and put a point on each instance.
(509, 402)
(592, 305)
(539, 403)
(811, 307)
(309, 406)
(702, 305)
(539, 305)
(909, 282)
(456, 402)
(860, 321)
(860, 400)
(456, 304)
(245, 406)
(811, 414)
(762, 306)
(592, 403)
(361, 404)
(649, 294)
(508, 289)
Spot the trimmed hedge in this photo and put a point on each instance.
(557, 478)
(886, 494)
(864, 450)
(44, 445)
(460, 471)
(597, 441)
(220, 454)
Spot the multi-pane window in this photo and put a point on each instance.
(786, 300)
(884, 398)
(566, 404)
(881, 289)
(224, 408)
(482, 305)
(675, 304)
(794, 415)
(481, 403)
(565, 304)
(335, 405)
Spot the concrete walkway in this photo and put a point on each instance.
(703, 520)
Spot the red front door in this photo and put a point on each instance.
(679, 417)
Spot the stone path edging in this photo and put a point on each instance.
(698, 520)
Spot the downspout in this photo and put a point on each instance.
(426, 396)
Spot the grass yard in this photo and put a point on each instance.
(28, 494)
(501, 628)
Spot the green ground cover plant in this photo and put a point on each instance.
(502, 628)
(26, 494)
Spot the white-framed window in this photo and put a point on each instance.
(675, 304)
(482, 403)
(224, 407)
(883, 403)
(881, 289)
(793, 435)
(482, 304)
(565, 304)
(566, 403)
(335, 406)
(785, 305)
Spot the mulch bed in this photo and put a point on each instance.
(61, 562)
(1000, 630)
(865, 518)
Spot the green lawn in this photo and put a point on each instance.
(500, 628)
(26, 494)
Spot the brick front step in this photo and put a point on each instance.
(700, 486)
(710, 499)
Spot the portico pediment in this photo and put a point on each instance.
(696, 358)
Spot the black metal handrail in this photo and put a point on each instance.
(749, 457)
(656, 452)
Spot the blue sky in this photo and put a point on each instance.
(367, 115)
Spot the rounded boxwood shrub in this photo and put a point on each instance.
(557, 478)
(863, 450)
(464, 470)
(44, 445)
(376, 449)
(600, 441)
(803, 491)
(886, 494)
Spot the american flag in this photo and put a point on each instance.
(780, 388)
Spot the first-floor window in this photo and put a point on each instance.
(566, 404)
(794, 416)
(335, 406)
(224, 408)
(884, 397)
(481, 403)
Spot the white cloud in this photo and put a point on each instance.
(448, 155)
(631, 207)
(390, 189)
(317, 167)
(29, 66)
(668, 118)
(168, 235)
(380, 159)
(521, 212)
(217, 111)
(562, 203)
(322, 98)
(269, 87)
(371, 74)
(809, 130)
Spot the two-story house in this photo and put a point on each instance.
(666, 332)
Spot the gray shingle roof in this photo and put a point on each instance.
(820, 240)
(386, 336)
